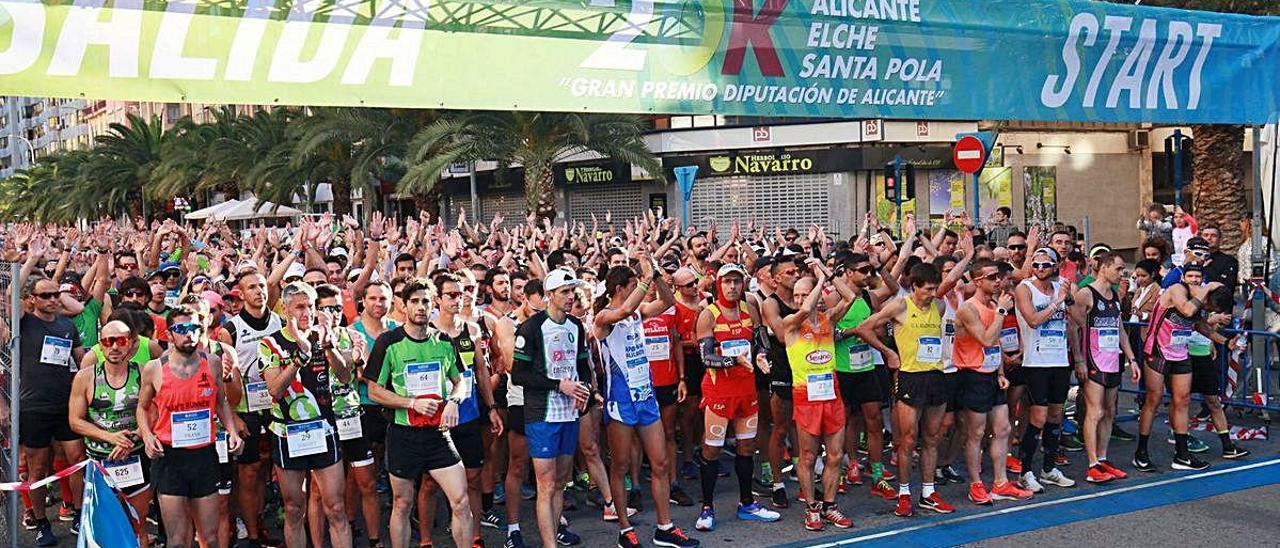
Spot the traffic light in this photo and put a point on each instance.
(890, 183)
(908, 182)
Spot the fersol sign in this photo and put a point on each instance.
(592, 173)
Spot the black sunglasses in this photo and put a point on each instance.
(47, 295)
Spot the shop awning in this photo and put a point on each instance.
(1041, 60)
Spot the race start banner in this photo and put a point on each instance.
(922, 59)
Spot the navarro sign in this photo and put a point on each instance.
(592, 173)
(766, 162)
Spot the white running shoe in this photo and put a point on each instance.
(1029, 482)
(1056, 477)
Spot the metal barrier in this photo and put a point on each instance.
(1243, 384)
(10, 313)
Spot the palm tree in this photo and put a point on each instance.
(534, 140)
(123, 162)
(1218, 185)
(203, 157)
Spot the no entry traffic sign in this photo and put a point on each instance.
(969, 154)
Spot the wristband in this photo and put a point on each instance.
(1002, 311)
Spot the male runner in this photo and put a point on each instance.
(819, 411)
(413, 371)
(181, 393)
(919, 386)
(785, 270)
(1041, 306)
(630, 396)
(551, 365)
(726, 330)
(1097, 349)
(298, 363)
(103, 408)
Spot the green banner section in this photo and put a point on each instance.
(937, 59)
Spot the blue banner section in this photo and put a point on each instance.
(103, 522)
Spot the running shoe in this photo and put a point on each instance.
(499, 494)
(1009, 491)
(779, 498)
(853, 476)
(1061, 460)
(761, 488)
(884, 490)
(978, 494)
(565, 537)
(528, 492)
(44, 535)
(1056, 477)
(766, 472)
(1098, 474)
(477, 543)
(629, 539)
(935, 503)
(611, 513)
(813, 517)
(66, 512)
(756, 512)
(594, 498)
(1189, 463)
(1234, 452)
(689, 470)
(1119, 434)
(633, 500)
(1030, 483)
(492, 520)
(904, 509)
(832, 514)
(1142, 463)
(1013, 465)
(29, 520)
(949, 472)
(1073, 442)
(514, 540)
(1115, 472)
(1194, 444)
(723, 469)
(706, 520)
(674, 538)
(679, 497)
(75, 525)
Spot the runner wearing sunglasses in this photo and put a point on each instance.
(103, 409)
(181, 393)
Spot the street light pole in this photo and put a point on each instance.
(30, 149)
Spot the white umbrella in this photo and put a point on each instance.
(253, 209)
(212, 210)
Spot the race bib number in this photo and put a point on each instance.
(929, 349)
(1009, 339)
(1053, 339)
(350, 428)
(736, 348)
(423, 379)
(639, 383)
(991, 358)
(55, 351)
(307, 438)
(658, 349)
(821, 386)
(171, 298)
(1180, 338)
(1108, 339)
(191, 428)
(860, 356)
(126, 472)
(257, 396)
(221, 446)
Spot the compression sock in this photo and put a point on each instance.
(1052, 436)
(742, 466)
(707, 470)
(877, 472)
(1030, 442)
(1225, 437)
(1142, 443)
(1180, 442)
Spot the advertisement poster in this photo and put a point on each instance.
(996, 189)
(1040, 189)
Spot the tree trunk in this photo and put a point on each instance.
(540, 191)
(1219, 186)
(341, 190)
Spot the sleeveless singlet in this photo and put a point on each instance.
(247, 338)
(734, 339)
(1172, 331)
(466, 348)
(1046, 346)
(969, 352)
(1103, 350)
(113, 408)
(626, 361)
(813, 364)
(949, 330)
(660, 346)
(184, 409)
(919, 339)
(854, 355)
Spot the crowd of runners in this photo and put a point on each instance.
(210, 368)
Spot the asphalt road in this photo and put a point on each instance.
(1223, 508)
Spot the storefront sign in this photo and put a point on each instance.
(592, 173)
(1052, 60)
(766, 162)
